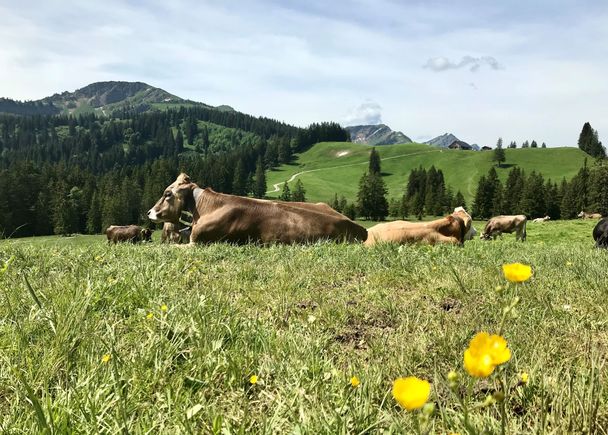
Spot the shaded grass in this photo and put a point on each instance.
(304, 319)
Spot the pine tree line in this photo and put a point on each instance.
(532, 195)
(63, 174)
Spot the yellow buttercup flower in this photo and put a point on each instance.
(253, 380)
(354, 381)
(517, 272)
(484, 353)
(524, 377)
(163, 308)
(411, 392)
(149, 316)
(106, 358)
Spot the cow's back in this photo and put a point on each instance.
(245, 220)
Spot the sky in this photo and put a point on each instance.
(516, 69)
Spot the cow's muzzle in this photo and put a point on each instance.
(153, 216)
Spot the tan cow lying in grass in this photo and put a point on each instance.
(453, 229)
(219, 217)
(585, 215)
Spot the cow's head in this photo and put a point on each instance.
(174, 201)
(469, 231)
(146, 235)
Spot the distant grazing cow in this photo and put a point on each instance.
(540, 220)
(175, 233)
(218, 217)
(453, 229)
(505, 224)
(128, 233)
(585, 215)
(600, 233)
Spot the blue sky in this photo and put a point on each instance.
(479, 69)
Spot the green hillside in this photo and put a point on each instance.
(335, 167)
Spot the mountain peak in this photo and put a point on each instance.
(379, 134)
(111, 95)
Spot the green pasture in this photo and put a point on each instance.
(336, 167)
(304, 320)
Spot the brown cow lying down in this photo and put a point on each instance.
(175, 233)
(128, 233)
(452, 229)
(505, 224)
(220, 217)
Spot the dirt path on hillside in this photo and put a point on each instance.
(277, 187)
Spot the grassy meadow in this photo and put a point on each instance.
(165, 339)
(337, 166)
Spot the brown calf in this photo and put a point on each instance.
(128, 233)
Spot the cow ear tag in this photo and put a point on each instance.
(188, 220)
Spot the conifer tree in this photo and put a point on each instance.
(179, 140)
(514, 187)
(598, 191)
(335, 204)
(371, 198)
(284, 150)
(533, 201)
(499, 153)
(374, 162)
(239, 182)
(260, 187)
(459, 201)
(94, 216)
(299, 193)
(285, 193)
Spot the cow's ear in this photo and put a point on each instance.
(182, 179)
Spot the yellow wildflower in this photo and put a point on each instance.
(517, 272)
(149, 316)
(411, 392)
(163, 308)
(485, 352)
(523, 377)
(106, 358)
(354, 381)
(568, 263)
(253, 380)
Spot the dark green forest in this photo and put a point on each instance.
(62, 174)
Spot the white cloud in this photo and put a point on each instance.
(367, 113)
(441, 63)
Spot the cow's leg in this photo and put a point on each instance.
(447, 240)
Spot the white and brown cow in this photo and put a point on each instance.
(505, 224)
(453, 229)
(585, 215)
(218, 217)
